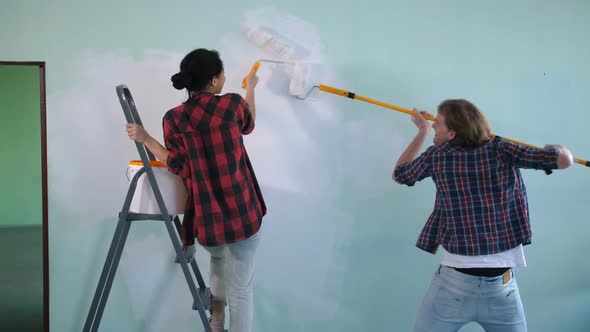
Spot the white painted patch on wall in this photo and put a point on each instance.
(88, 149)
(304, 140)
(298, 149)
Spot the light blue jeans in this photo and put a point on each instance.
(455, 299)
(231, 278)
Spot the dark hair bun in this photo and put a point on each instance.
(180, 80)
(197, 69)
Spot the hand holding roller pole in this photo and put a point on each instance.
(352, 95)
(252, 71)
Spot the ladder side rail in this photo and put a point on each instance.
(109, 268)
(131, 114)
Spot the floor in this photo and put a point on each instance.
(21, 279)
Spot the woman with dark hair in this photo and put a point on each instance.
(480, 217)
(204, 146)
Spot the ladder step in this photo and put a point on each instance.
(205, 295)
(132, 216)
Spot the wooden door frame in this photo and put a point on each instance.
(41, 65)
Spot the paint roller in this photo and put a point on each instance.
(283, 49)
(275, 43)
(298, 72)
(298, 81)
(353, 95)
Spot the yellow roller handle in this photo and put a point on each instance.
(352, 95)
(370, 101)
(254, 68)
(576, 160)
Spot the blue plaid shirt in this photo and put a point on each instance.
(481, 204)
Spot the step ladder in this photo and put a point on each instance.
(202, 294)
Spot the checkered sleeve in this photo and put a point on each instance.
(244, 116)
(526, 157)
(416, 170)
(177, 156)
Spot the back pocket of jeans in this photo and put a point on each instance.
(505, 307)
(447, 305)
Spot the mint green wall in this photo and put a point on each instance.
(338, 250)
(20, 144)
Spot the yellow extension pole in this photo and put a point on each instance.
(352, 95)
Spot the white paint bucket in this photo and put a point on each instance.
(171, 186)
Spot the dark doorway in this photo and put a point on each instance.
(24, 277)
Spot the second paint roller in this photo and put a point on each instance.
(353, 95)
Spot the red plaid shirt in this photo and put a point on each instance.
(481, 205)
(204, 137)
